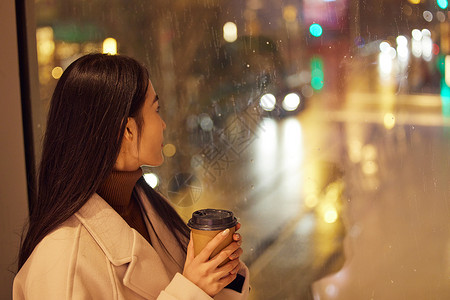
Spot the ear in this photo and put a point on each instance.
(130, 133)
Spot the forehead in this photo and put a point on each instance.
(152, 97)
(150, 89)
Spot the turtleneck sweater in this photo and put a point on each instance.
(117, 190)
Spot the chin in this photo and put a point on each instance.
(154, 163)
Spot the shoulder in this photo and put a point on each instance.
(56, 247)
(54, 267)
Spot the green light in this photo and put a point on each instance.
(317, 76)
(316, 30)
(317, 83)
(442, 3)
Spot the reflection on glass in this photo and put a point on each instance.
(267, 149)
(303, 110)
(291, 145)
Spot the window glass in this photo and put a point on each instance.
(322, 124)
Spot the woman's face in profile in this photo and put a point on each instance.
(151, 139)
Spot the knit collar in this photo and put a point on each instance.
(117, 188)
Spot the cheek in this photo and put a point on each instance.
(152, 144)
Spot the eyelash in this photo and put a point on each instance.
(157, 110)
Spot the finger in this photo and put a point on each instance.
(228, 268)
(236, 254)
(236, 269)
(231, 248)
(227, 279)
(190, 250)
(238, 225)
(237, 237)
(224, 254)
(212, 245)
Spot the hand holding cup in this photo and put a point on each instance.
(214, 249)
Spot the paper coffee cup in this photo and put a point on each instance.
(205, 224)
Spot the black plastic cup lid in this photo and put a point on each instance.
(212, 219)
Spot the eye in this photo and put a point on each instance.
(158, 108)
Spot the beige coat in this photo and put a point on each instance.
(96, 255)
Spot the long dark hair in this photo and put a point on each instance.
(86, 121)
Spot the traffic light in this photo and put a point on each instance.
(315, 30)
(442, 3)
(317, 77)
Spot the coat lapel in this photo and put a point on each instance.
(124, 247)
(171, 254)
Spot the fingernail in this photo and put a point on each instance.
(239, 243)
(225, 232)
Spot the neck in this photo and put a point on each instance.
(117, 188)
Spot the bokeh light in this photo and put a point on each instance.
(428, 16)
(330, 215)
(416, 34)
(291, 102)
(57, 72)
(169, 150)
(315, 30)
(267, 102)
(151, 179)
(110, 46)
(230, 32)
(389, 121)
(290, 13)
(205, 121)
(442, 4)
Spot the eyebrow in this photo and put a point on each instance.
(156, 99)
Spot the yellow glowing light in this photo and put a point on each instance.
(369, 152)
(311, 201)
(310, 187)
(290, 13)
(355, 150)
(169, 150)
(57, 72)
(389, 121)
(45, 44)
(110, 46)
(333, 192)
(369, 168)
(330, 216)
(414, 1)
(230, 32)
(46, 48)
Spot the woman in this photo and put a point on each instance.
(97, 230)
